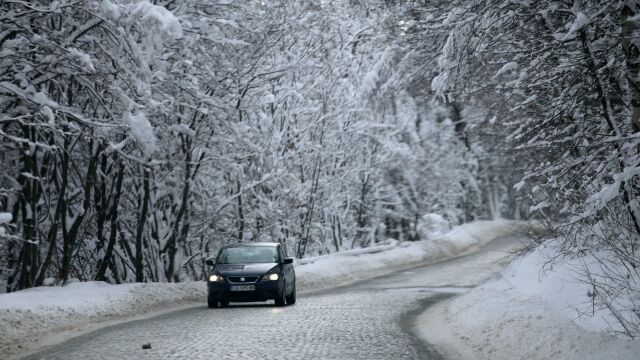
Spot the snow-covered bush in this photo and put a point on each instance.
(432, 226)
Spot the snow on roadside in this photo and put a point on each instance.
(530, 316)
(28, 316)
(562, 289)
(348, 266)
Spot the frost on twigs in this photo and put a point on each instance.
(510, 66)
(141, 130)
(149, 12)
(84, 58)
(5, 217)
(580, 21)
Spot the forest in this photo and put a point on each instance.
(138, 137)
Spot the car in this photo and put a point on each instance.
(251, 272)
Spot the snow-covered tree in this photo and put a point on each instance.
(562, 77)
(139, 137)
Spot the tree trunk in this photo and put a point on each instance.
(113, 229)
(57, 218)
(240, 212)
(140, 227)
(70, 237)
(361, 208)
(179, 229)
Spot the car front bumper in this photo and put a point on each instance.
(264, 290)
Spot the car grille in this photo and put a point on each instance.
(242, 279)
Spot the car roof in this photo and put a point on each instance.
(253, 244)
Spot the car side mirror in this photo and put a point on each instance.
(288, 260)
(210, 261)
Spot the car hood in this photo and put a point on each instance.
(244, 269)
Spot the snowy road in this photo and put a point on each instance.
(372, 319)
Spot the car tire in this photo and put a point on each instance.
(281, 300)
(291, 298)
(212, 303)
(224, 303)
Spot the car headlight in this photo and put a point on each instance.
(214, 278)
(271, 277)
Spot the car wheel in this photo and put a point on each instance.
(224, 303)
(281, 300)
(212, 303)
(291, 298)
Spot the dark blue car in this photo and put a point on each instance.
(251, 272)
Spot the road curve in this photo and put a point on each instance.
(372, 319)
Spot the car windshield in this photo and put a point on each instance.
(248, 254)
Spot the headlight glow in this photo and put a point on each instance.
(214, 278)
(270, 277)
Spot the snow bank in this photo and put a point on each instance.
(530, 315)
(28, 316)
(512, 326)
(345, 267)
(560, 288)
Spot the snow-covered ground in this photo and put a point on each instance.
(525, 314)
(348, 266)
(31, 317)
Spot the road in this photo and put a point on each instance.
(371, 319)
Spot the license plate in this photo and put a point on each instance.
(243, 287)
